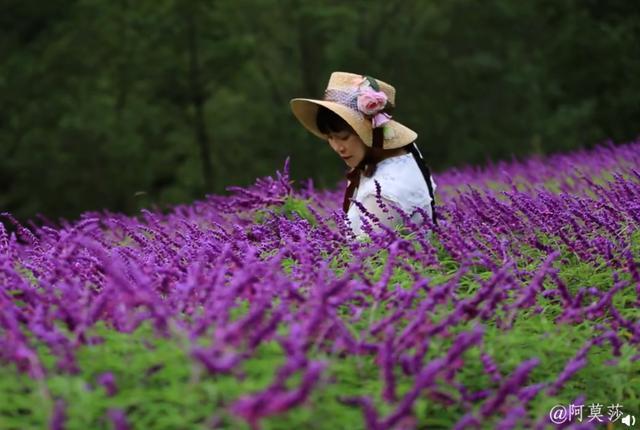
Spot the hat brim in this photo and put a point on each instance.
(306, 111)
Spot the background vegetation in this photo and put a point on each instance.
(125, 104)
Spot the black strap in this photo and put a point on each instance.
(378, 138)
(426, 173)
(354, 180)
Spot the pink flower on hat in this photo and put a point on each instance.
(370, 102)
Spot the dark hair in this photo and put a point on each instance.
(330, 122)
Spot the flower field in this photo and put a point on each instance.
(258, 310)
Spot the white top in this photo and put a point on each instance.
(401, 183)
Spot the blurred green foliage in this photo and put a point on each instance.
(126, 104)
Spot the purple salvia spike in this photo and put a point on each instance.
(108, 381)
(119, 419)
(490, 367)
(387, 364)
(512, 384)
(572, 367)
(468, 421)
(526, 394)
(424, 379)
(511, 418)
(368, 409)
(58, 417)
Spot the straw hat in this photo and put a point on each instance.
(364, 103)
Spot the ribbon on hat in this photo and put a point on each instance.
(380, 119)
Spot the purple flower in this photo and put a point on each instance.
(59, 417)
(368, 409)
(119, 419)
(511, 385)
(108, 381)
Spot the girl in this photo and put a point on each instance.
(354, 117)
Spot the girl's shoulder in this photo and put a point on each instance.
(397, 167)
(400, 180)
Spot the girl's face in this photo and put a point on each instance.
(348, 146)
